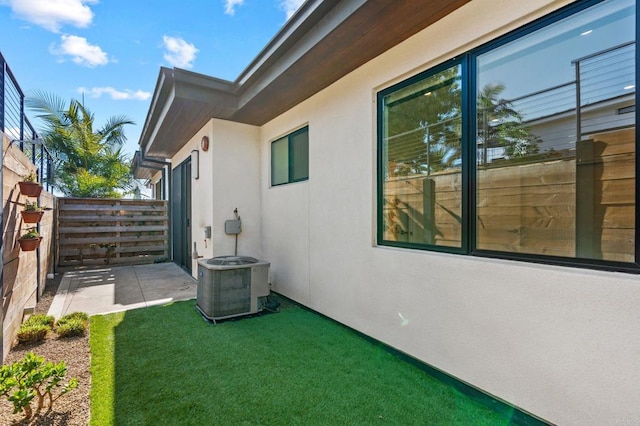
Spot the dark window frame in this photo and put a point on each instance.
(469, 179)
(291, 163)
(457, 61)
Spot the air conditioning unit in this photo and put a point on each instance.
(230, 286)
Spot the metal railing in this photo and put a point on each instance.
(606, 76)
(15, 124)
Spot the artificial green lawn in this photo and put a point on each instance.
(166, 366)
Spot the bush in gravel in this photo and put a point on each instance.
(41, 319)
(32, 333)
(33, 378)
(74, 324)
(35, 328)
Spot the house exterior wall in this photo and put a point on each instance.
(235, 159)
(561, 343)
(201, 193)
(229, 174)
(286, 217)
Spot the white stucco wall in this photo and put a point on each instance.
(235, 161)
(201, 193)
(285, 211)
(562, 343)
(229, 178)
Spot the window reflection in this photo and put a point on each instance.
(422, 161)
(556, 139)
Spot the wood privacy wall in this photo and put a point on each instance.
(111, 232)
(581, 206)
(20, 269)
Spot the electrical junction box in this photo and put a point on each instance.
(232, 227)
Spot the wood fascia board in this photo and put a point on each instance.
(291, 51)
(305, 18)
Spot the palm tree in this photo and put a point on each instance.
(87, 163)
(501, 126)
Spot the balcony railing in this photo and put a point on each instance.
(15, 124)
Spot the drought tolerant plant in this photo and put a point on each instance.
(74, 324)
(33, 378)
(32, 206)
(35, 328)
(31, 234)
(43, 319)
(30, 177)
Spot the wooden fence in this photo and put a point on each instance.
(24, 272)
(110, 231)
(581, 206)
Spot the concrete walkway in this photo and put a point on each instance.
(118, 288)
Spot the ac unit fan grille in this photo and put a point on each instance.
(232, 292)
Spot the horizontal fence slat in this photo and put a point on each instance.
(118, 208)
(110, 218)
(102, 240)
(117, 261)
(98, 229)
(90, 251)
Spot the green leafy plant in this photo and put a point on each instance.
(33, 378)
(74, 324)
(73, 316)
(32, 333)
(32, 206)
(41, 319)
(31, 234)
(35, 328)
(32, 176)
(88, 161)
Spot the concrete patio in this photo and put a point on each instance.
(118, 288)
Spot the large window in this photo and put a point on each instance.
(545, 170)
(290, 158)
(421, 147)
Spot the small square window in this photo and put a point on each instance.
(290, 158)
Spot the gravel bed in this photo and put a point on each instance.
(73, 408)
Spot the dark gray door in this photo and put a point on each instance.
(181, 214)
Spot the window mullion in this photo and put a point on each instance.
(468, 154)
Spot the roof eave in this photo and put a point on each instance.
(307, 55)
(183, 103)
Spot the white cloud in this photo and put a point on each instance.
(80, 51)
(179, 53)
(117, 95)
(53, 14)
(290, 6)
(229, 6)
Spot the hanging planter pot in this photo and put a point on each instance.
(29, 244)
(30, 189)
(31, 216)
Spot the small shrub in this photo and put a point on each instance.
(41, 319)
(32, 333)
(72, 327)
(31, 377)
(74, 315)
(74, 324)
(35, 328)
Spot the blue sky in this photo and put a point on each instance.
(111, 50)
